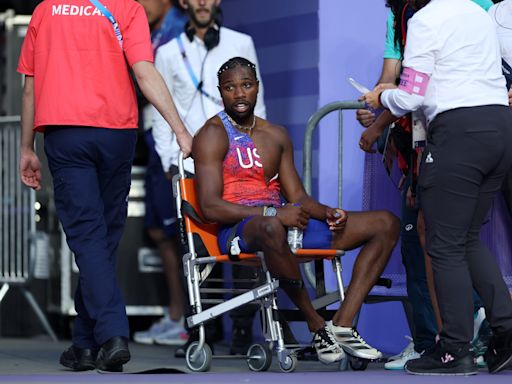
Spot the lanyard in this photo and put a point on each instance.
(110, 18)
(197, 84)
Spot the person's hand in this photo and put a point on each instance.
(372, 98)
(365, 117)
(510, 97)
(368, 138)
(30, 169)
(292, 215)
(184, 139)
(336, 218)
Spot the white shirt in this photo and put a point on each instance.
(455, 43)
(501, 15)
(195, 108)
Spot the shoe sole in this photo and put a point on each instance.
(355, 353)
(111, 370)
(394, 368)
(502, 366)
(327, 362)
(430, 373)
(173, 343)
(77, 367)
(115, 362)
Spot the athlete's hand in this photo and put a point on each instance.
(510, 97)
(292, 215)
(336, 218)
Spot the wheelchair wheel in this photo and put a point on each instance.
(259, 358)
(289, 364)
(202, 362)
(358, 364)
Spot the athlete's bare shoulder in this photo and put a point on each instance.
(210, 137)
(277, 132)
(212, 124)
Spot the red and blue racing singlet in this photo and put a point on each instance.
(244, 177)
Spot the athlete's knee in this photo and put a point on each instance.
(389, 224)
(272, 232)
(271, 227)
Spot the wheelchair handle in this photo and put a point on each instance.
(384, 282)
(181, 166)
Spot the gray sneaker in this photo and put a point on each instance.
(166, 331)
(327, 349)
(400, 363)
(407, 350)
(177, 335)
(353, 344)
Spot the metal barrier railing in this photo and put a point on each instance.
(316, 278)
(16, 213)
(313, 121)
(17, 224)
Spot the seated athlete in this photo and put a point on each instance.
(243, 165)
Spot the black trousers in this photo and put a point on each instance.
(506, 189)
(462, 169)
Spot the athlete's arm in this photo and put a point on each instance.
(291, 185)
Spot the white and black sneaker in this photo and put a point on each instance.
(352, 342)
(327, 349)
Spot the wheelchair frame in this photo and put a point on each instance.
(259, 357)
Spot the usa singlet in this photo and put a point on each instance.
(244, 177)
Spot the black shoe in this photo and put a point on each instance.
(499, 352)
(444, 361)
(241, 340)
(113, 354)
(78, 359)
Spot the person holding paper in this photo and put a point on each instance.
(452, 71)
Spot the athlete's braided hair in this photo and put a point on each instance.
(236, 62)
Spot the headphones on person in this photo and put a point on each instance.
(212, 35)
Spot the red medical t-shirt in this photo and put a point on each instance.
(80, 71)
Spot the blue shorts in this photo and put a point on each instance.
(316, 236)
(159, 198)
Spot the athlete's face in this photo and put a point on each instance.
(201, 12)
(239, 89)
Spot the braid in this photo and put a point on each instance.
(236, 62)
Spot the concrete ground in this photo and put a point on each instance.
(35, 360)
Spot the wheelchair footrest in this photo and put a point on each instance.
(235, 302)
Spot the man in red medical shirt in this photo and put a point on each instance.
(76, 59)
